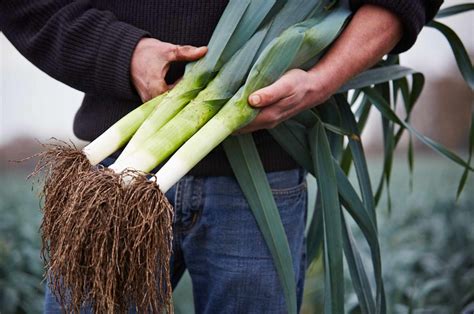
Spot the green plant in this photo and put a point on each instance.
(21, 270)
(326, 156)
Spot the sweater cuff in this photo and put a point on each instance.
(114, 57)
(411, 13)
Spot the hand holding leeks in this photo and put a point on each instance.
(372, 33)
(150, 62)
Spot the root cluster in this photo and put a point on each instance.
(106, 244)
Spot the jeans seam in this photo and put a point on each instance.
(290, 191)
(196, 204)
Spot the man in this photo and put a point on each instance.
(121, 53)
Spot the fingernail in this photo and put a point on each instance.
(255, 99)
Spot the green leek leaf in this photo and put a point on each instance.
(389, 147)
(315, 233)
(465, 174)
(299, 150)
(360, 162)
(248, 169)
(460, 53)
(360, 281)
(377, 76)
(455, 9)
(225, 31)
(331, 209)
(385, 110)
(355, 208)
(349, 199)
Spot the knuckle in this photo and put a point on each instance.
(173, 52)
(274, 116)
(287, 86)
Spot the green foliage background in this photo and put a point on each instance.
(426, 240)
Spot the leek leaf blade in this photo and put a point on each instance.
(459, 51)
(331, 214)
(377, 76)
(248, 169)
(359, 277)
(385, 110)
(455, 9)
(463, 180)
(358, 155)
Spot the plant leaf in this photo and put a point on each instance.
(349, 199)
(460, 53)
(455, 9)
(360, 281)
(248, 169)
(331, 208)
(315, 233)
(465, 174)
(385, 110)
(355, 208)
(358, 155)
(377, 76)
(389, 147)
(283, 134)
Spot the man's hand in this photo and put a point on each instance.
(372, 33)
(295, 91)
(150, 63)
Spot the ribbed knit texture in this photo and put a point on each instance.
(88, 45)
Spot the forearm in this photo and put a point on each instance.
(371, 34)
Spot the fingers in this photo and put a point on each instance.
(270, 116)
(187, 53)
(266, 119)
(273, 93)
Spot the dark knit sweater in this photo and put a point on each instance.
(88, 45)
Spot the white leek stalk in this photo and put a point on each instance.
(120, 133)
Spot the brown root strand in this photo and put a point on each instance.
(106, 244)
(148, 224)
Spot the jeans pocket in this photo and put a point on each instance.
(287, 183)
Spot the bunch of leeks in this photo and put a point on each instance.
(107, 231)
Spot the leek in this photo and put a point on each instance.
(145, 150)
(296, 46)
(120, 133)
(174, 133)
(238, 23)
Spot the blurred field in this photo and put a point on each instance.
(427, 242)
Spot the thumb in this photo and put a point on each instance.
(187, 53)
(268, 95)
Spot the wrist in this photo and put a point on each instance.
(322, 83)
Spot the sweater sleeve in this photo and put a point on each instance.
(414, 14)
(73, 42)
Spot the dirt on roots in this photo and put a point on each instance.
(106, 244)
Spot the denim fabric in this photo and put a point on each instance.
(216, 238)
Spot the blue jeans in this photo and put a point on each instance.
(216, 238)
